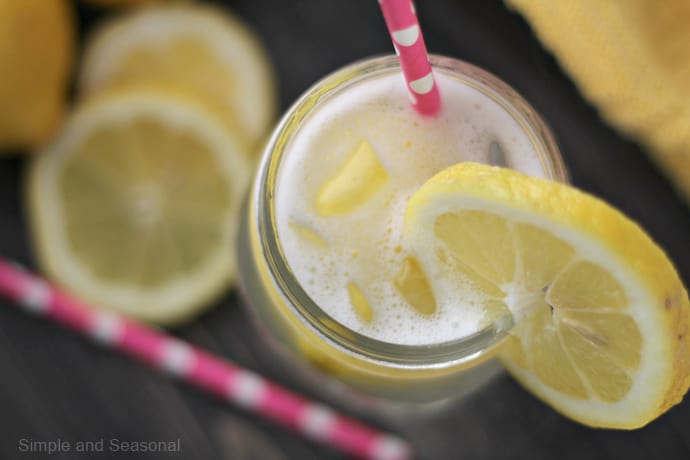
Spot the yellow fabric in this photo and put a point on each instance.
(631, 58)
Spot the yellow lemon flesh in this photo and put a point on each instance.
(135, 205)
(36, 51)
(204, 50)
(601, 317)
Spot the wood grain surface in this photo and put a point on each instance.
(54, 385)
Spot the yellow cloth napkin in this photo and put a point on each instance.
(631, 58)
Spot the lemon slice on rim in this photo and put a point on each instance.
(601, 316)
(135, 205)
(200, 48)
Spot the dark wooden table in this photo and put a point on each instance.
(54, 385)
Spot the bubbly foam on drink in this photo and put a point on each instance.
(363, 246)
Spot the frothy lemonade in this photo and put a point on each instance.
(341, 193)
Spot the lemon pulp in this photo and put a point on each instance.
(147, 212)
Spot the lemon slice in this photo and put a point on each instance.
(601, 316)
(135, 205)
(200, 48)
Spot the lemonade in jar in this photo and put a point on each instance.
(326, 267)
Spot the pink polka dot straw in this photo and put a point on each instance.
(200, 368)
(403, 25)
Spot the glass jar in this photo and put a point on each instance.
(332, 355)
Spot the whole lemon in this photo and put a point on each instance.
(36, 52)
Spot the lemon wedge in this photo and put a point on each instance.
(200, 48)
(601, 317)
(135, 205)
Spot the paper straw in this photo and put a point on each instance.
(215, 375)
(403, 26)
